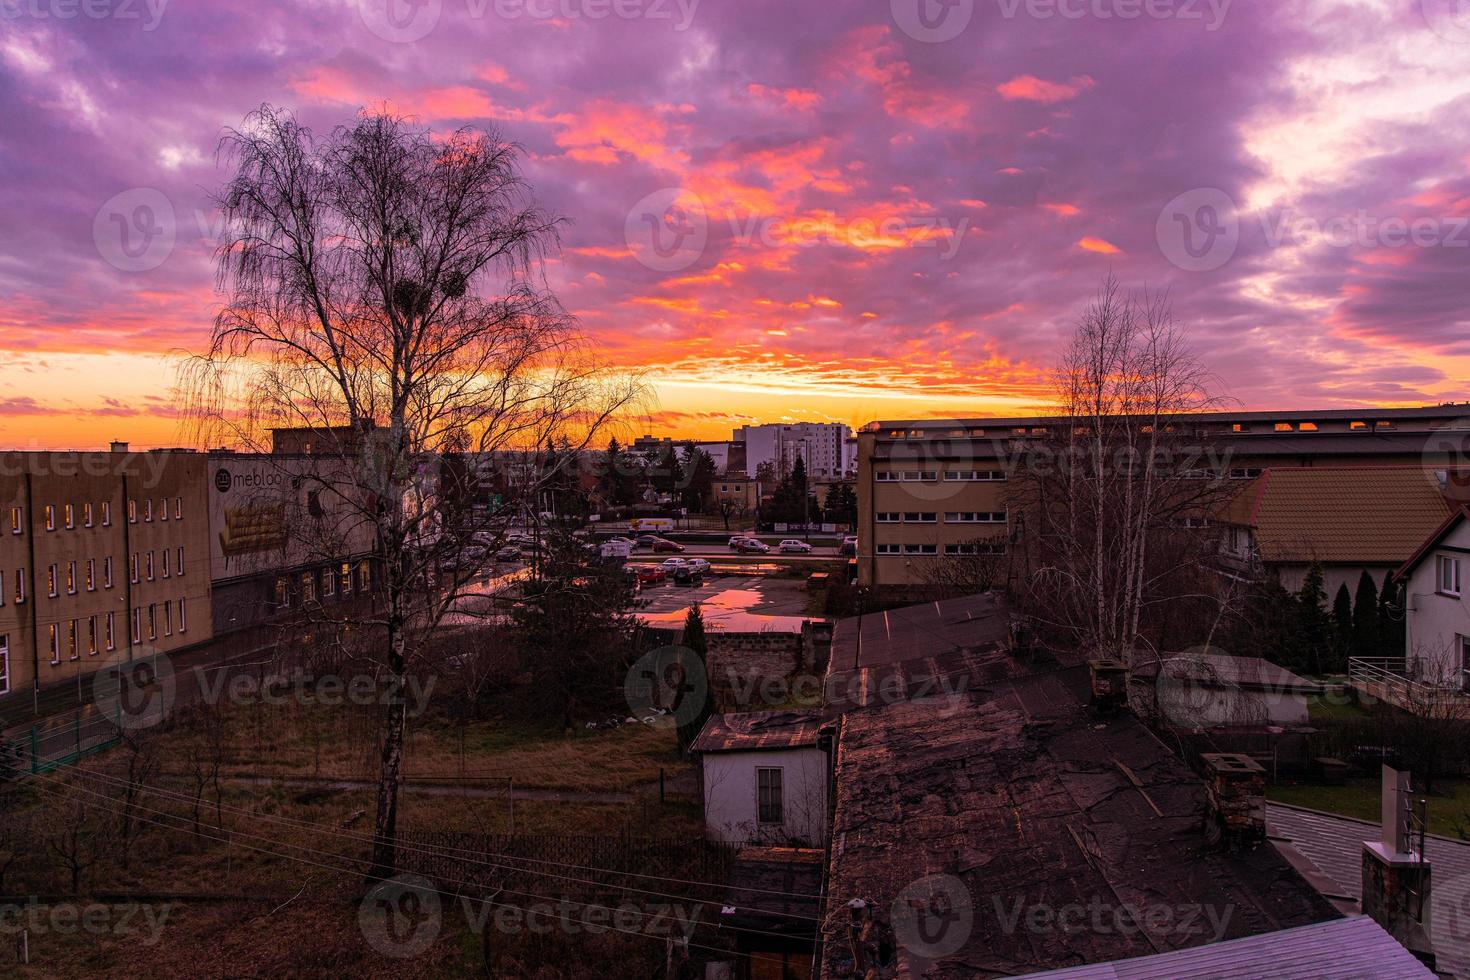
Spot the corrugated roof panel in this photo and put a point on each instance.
(1354, 948)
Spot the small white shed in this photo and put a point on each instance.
(765, 777)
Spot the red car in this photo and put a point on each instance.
(648, 574)
(660, 544)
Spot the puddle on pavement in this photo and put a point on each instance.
(729, 611)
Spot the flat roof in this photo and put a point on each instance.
(1426, 412)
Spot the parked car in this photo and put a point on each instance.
(663, 544)
(686, 575)
(510, 552)
(673, 563)
(698, 565)
(753, 546)
(794, 546)
(649, 574)
(849, 546)
(618, 539)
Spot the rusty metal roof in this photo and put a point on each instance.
(759, 730)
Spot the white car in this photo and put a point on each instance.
(793, 545)
(697, 565)
(670, 564)
(738, 541)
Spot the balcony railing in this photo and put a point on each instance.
(1391, 679)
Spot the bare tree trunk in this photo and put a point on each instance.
(385, 832)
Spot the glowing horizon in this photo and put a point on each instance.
(834, 212)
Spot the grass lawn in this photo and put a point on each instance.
(1449, 807)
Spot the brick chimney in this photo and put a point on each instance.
(1396, 877)
(1235, 787)
(816, 644)
(1109, 686)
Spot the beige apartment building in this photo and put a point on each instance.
(930, 489)
(104, 557)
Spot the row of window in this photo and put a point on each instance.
(174, 571)
(66, 516)
(932, 517)
(932, 476)
(995, 548)
(79, 634)
(330, 582)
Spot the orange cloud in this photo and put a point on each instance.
(800, 99)
(1100, 245)
(1032, 89)
(1065, 210)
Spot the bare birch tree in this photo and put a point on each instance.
(382, 287)
(1117, 500)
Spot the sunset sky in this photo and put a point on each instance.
(780, 209)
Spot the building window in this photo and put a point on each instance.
(920, 549)
(165, 562)
(148, 565)
(976, 476)
(179, 565)
(107, 513)
(152, 621)
(768, 795)
(888, 517)
(364, 577)
(111, 633)
(107, 572)
(73, 650)
(133, 568)
(346, 574)
(163, 509)
(975, 549)
(283, 592)
(2, 588)
(920, 517)
(15, 520)
(329, 583)
(54, 632)
(69, 513)
(920, 476)
(137, 625)
(148, 510)
(308, 587)
(4, 663)
(132, 512)
(50, 513)
(975, 517)
(178, 508)
(168, 617)
(86, 515)
(1245, 472)
(888, 549)
(51, 581)
(71, 578)
(183, 619)
(1447, 579)
(91, 575)
(92, 636)
(885, 476)
(20, 585)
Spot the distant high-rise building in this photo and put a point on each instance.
(826, 449)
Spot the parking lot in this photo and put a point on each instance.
(743, 602)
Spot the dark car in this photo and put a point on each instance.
(644, 541)
(688, 575)
(663, 544)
